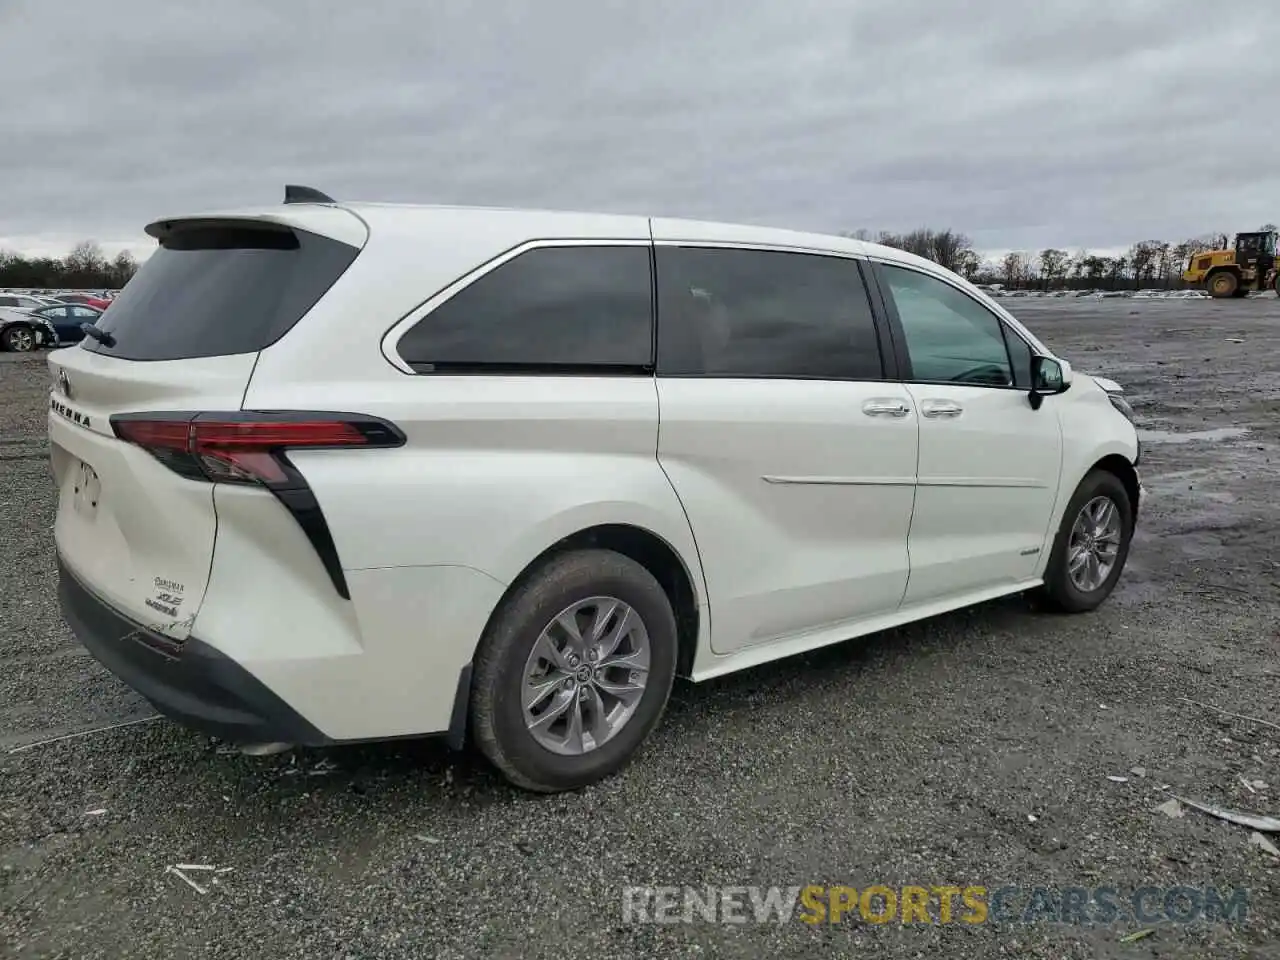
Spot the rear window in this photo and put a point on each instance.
(212, 290)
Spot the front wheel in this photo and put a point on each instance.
(20, 338)
(574, 671)
(1223, 284)
(1092, 544)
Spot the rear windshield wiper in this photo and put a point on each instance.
(104, 338)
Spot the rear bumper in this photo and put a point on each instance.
(193, 684)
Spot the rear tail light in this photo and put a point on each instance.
(251, 448)
(248, 447)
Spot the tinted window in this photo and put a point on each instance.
(548, 310)
(950, 336)
(8, 301)
(758, 313)
(215, 290)
(84, 313)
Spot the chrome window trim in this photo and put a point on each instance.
(762, 248)
(391, 339)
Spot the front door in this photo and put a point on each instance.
(989, 463)
(792, 454)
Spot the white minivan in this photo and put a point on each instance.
(335, 472)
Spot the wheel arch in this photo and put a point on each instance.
(1126, 472)
(643, 521)
(653, 552)
(1053, 589)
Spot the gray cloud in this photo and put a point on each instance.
(1022, 124)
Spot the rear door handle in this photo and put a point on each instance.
(941, 409)
(886, 407)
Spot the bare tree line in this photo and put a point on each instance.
(1147, 264)
(84, 268)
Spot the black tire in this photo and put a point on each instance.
(497, 708)
(19, 338)
(1059, 591)
(1222, 284)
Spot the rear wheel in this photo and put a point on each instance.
(1092, 544)
(574, 671)
(1223, 284)
(19, 338)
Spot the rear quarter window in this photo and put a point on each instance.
(549, 310)
(211, 291)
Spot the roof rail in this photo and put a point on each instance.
(294, 193)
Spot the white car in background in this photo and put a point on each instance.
(337, 472)
(23, 301)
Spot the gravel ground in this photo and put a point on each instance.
(974, 749)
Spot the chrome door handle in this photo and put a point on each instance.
(886, 408)
(941, 409)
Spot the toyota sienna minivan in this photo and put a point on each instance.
(335, 472)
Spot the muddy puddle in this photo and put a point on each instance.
(1194, 436)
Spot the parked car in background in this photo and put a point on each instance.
(66, 319)
(22, 332)
(22, 301)
(84, 298)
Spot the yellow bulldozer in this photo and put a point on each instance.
(1252, 265)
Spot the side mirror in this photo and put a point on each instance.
(1049, 377)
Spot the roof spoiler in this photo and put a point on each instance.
(293, 193)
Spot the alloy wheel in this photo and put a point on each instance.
(585, 675)
(1094, 546)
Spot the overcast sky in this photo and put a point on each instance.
(1057, 122)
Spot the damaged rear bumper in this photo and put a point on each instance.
(189, 682)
